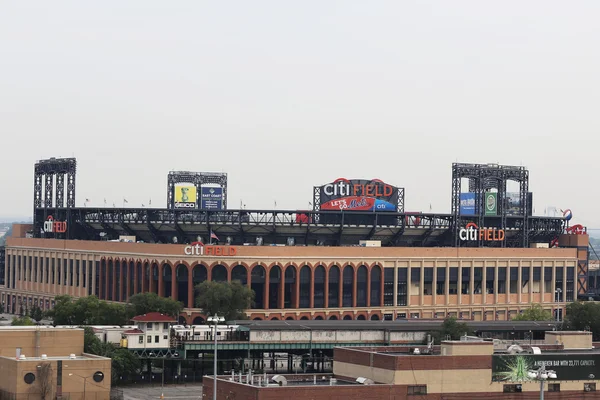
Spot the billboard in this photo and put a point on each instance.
(211, 198)
(358, 195)
(467, 204)
(512, 201)
(185, 196)
(568, 367)
(490, 204)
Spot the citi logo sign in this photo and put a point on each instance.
(199, 249)
(472, 232)
(343, 187)
(52, 226)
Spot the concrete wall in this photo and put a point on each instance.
(570, 340)
(52, 342)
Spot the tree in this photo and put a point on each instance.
(124, 362)
(584, 316)
(534, 313)
(22, 321)
(451, 328)
(227, 299)
(144, 303)
(87, 311)
(44, 379)
(36, 313)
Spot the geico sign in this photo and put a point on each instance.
(198, 249)
(185, 205)
(472, 232)
(52, 226)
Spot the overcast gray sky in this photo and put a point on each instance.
(286, 95)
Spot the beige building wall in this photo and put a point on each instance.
(478, 303)
(72, 385)
(570, 340)
(52, 342)
(458, 348)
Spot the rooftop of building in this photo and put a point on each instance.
(57, 358)
(277, 380)
(396, 325)
(153, 317)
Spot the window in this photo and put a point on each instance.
(156, 339)
(554, 387)
(420, 389)
(149, 325)
(165, 337)
(512, 389)
(141, 340)
(589, 387)
(149, 339)
(165, 325)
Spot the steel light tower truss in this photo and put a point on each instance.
(482, 178)
(49, 191)
(198, 179)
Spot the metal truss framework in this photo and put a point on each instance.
(279, 226)
(198, 179)
(483, 177)
(49, 187)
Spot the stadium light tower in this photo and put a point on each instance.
(542, 374)
(215, 321)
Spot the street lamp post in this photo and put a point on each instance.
(215, 321)
(542, 374)
(84, 382)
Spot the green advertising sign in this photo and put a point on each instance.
(490, 204)
(568, 367)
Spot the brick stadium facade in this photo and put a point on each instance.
(311, 282)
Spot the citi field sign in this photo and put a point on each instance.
(199, 249)
(358, 195)
(52, 226)
(473, 232)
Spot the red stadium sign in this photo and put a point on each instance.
(199, 249)
(52, 226)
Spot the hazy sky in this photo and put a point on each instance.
(286, 95)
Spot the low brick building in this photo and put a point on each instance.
(46, 362)
(456, 370)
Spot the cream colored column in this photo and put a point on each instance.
(434, 285)
(422, 284)
(484, 283)
(520, 283)
(564, 288)
(409, 286)
(543, 282)
(531, 283)
(472, 283)
(496, 271)
(395, 284)
(94, 276)
(459, 283)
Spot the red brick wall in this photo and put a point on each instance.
(230, 390)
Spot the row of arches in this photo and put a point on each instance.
(275, 286)
(196, 319)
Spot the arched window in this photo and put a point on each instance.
(334, 286)
(305, 287)
(376, 286)
(319, 287)
(361, 287)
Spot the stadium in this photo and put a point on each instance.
(358, 254)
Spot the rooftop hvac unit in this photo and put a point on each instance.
(281, 380)
(364, 381)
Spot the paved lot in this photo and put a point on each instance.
(180, 392)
